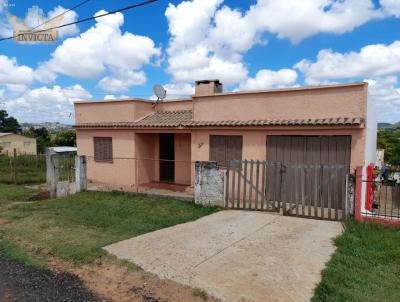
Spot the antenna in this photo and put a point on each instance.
(160, 92)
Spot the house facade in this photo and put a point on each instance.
(22, 144)
(133, 142)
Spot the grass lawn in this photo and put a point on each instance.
(365, 266)
(11, 193)
(77, 227)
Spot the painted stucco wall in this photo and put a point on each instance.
(147, 154)
(111, 111)
(371, 133)
(22, 144)
(348, 101)
(119, 172)
(183, 165)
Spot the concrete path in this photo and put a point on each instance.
(238, 255)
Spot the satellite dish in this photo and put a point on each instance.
(160, 92)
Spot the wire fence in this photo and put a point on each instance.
(23, 169)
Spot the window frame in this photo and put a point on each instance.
(103, 160)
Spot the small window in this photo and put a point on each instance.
(5, 144)
(27, 144)
(225, 147)
(103, 149)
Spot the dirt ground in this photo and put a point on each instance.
(120, 283)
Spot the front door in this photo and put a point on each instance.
(167, 157)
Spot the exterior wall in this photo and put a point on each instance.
(111, 111)
(174, 105)
(347, 101)
(183, 163)
(22, 144)
(122, 170)
(371, 134)
(254, 142)
(147, 154)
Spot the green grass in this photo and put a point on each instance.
(30, 169)
(77, 227)
(12, 193)
(365, 266)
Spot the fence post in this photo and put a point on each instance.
(52, 172)
(14, 171)
(80, 173)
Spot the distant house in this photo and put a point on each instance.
(134, 141)
(22, 144)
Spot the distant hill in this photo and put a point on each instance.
(384, 125)
(395, 126)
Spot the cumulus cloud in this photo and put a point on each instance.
(391, 7)
(386, 96)
(208, 39)
(13, 74)
(35, 16)
(297, 20)
(121, 81)
(103, 47)
(371, 60)
(46, 104)
(270, 79)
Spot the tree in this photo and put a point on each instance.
(65, 138)
(42, 138)
(8, 123)
(389, 140)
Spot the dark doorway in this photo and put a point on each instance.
(167, 157)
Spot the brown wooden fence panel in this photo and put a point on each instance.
(304, 190)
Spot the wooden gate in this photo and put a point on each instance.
(311, 191)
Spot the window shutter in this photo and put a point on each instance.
(225, 147)
(103, 149)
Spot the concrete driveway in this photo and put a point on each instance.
(238, 255)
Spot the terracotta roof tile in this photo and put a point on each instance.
(174, 119)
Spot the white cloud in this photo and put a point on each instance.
(46, 104)
(177, 90)
(391, 7)
(13, 74)
(208, 39)
(297, 20)
(35, 16)
(103, 47)
(270, 79)
(121, 81)
(192, 53)
(371, 60)
(386, 96)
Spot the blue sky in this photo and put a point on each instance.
(258, 44)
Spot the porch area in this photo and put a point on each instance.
(163, 163)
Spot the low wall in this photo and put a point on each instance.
(209, 184)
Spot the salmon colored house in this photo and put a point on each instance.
(132, 143)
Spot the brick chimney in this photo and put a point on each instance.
(207, 87)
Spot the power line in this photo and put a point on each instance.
(68, 10)
(90, 18)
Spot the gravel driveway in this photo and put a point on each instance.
(238, 255)
(19, 282)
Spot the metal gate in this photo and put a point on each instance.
(304, 190)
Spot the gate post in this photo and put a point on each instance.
(80, 173)
(52, 173)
